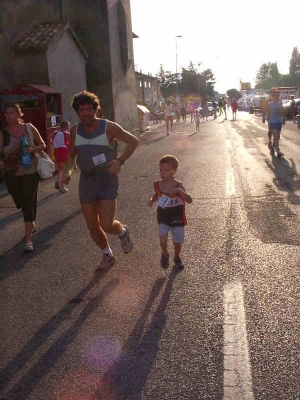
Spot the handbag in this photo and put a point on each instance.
(45, 166)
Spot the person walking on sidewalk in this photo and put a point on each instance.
(171, 197)
(61, 143)
(94, 142)
(224, 106)
(234, 108)
(293, 108)
(276, 118)
(214, 105)
(20, 166)
(220, 106)
(197, 120)
(169, 112)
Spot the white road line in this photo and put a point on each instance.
(237, 371)
(230, 183)
(228, 144)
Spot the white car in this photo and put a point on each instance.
(242, 104)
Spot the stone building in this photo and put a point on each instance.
(147, 89)
(98, 31)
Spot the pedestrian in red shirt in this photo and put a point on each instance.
(234, 107)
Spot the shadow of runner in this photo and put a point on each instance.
(14, 259)
(18, 214)
(40, 369)
(285, 173)
(129, 374)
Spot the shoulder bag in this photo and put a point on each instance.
(46, 166)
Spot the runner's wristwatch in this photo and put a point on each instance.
(122, 162)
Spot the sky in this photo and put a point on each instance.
(232, 38)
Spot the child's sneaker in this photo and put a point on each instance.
(178, 263)
(164, 261)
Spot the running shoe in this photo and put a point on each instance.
(178, 263)
(164, 260)
(63, 190)
(57, 184)
(126, 242)
(107, 261)
(168, 134)
(28, 248)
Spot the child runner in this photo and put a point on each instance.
(171, 198)
(61, 143)
(197, 120)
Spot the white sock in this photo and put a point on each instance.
(123, 232)
(108, 251)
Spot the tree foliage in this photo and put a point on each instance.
(167, 82)
(191, 82)
(234, 94)
(268, 75)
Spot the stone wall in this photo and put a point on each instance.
(66, 69)
(94, 23)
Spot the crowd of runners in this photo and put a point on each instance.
(92, 146)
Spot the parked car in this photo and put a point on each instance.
(210, 109)
(287, 107)
(242, 104)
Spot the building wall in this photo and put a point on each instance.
(94, 24)
(30, 68)
(147, 89)
(16, 16)
(122, 65)
(66, 69)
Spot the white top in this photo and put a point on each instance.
(59, 140)
(169, 110)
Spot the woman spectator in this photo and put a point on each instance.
(22, 179)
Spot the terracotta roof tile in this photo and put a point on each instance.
(35, 37)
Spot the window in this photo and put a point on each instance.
(141, 83)
(145, 84)
(149, 84)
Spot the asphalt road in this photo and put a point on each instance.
(226, 327)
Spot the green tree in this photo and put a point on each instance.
(167, 82)
(294, 70)
(197, 83)
(234, 94)
(267, 76)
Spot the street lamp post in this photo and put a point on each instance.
(176, 37)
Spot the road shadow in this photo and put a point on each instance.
(18, 214)
(286, 177)
(14, 259)
(43, 366)
(127, 377)
(151, 141)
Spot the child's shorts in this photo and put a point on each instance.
(177, 232)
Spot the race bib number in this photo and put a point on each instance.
(99, 159)
(163, 201)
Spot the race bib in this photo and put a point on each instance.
(163, 201)
(99, 159)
